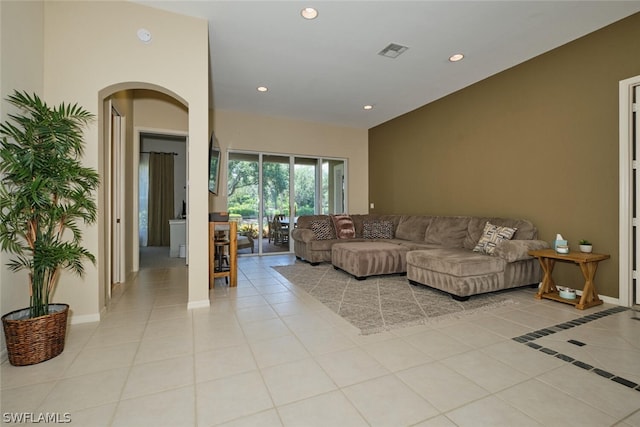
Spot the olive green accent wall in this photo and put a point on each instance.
(537, 141)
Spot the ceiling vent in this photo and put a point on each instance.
(393, 50)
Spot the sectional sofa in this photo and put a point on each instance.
(460, 255)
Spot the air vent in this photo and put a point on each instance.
(393, 50)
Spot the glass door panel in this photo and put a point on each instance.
(305, 188)
(275, 202)
(243, 201)
(333, 187)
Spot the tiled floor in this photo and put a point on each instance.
(267, 354)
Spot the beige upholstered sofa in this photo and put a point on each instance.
(441, 250)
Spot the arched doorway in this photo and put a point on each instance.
(126, 108)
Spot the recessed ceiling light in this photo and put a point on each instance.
(309, 13)
(457, 57)
(144, 35)
(262, 89)
(368, 107)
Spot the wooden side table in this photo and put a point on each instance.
(230, 241)
(588, 265)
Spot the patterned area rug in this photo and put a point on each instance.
(382, 303)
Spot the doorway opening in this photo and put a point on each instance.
(266, 192)
(162, 196)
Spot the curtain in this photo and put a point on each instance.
(143, 197)
(160, 198)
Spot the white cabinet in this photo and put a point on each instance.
(177, 236)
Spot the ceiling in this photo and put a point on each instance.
(327, 69)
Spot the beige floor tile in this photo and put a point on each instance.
(278, 350)
(324, 341)
(330, 409)
(164, 348)
(608, 396)
(491, 412)
(471, 334)
(97, 359)
(269, 418)
(224, 362)
(169, 408)
(387, 401)
(297, 380)
(85, 391)
(108, 336)
(436, 344)
(255, 314)
(99, 416)
(308, 321)
(442, 387)
(25, 398)
(267, 340)
(351, 366)
(396, 354)
(168, 328)
(550, 406)
(523, 358)
(439, 421)
(158, 376)
(265, 329)
(487, 372)
(232, 397)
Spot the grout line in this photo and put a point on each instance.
(529, 338)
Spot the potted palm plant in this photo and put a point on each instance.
(45, 193)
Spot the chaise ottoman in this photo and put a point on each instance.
(363, 259)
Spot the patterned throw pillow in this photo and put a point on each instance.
(321, 230)
(377, 230)
(344, 226)
(491, 236)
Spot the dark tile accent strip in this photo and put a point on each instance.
(565, 357)
(583, 365)
(623, 381)
(603, 373)
(527, 339)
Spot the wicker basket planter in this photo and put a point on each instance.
(34, 340)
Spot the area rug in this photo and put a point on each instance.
(382, 303)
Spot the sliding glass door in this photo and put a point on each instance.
(275, 202)
(267, 192)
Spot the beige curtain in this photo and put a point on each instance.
(160, 198)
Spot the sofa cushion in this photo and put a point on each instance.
(377, 230)
(322, 229)
(491, 236)
(455, 262)
(344, 226)
(525, 229)
(447, 231)
(412, 227)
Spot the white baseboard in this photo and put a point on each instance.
(4, 356)
(198, 304)
(75, 319)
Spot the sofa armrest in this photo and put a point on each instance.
(303, 235)
(517, 250)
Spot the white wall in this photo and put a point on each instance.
(85, 69)
(21, 21)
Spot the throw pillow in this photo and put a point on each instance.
(344, 226)
(491, 236)
(321, 229)
(377, 230)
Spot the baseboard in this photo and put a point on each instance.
(198, 304)
(75, 319)
(4, 356)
